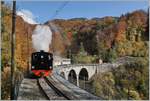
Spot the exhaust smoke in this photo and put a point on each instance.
(41, 38)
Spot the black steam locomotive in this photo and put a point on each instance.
(42, 63)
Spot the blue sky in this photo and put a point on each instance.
(44, 10)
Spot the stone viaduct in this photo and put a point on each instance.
(83, 71)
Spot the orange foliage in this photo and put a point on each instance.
(121, 29)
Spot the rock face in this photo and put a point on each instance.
(23, 42)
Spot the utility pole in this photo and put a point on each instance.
(13, 51)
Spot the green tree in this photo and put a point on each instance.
(82, 50)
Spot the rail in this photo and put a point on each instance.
(58, 91)
(50, 90)
(43, 91)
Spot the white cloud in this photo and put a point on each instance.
(27, 16)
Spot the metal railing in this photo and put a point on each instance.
(17, 82)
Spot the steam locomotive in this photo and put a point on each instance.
(42, 63)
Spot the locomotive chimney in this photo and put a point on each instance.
(41, 50)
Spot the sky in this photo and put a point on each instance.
(42, 11)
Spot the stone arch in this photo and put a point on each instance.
(72, 77)
(62, 74)
(83, 74)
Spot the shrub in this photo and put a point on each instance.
(84, 59)
(134, 95)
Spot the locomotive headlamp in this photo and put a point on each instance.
(42, 56)
(32, 67)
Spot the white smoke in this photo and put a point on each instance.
(27, 16)
(41, 38)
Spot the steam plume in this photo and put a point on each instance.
(41, 38)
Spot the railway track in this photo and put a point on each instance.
(49, 89)
(42, 89)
